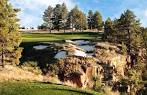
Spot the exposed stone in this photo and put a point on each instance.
(107, 64)
(78, 71)
(111, 60)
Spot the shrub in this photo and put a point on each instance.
(53, 69)
(124, 49)
(97, 83)
(32, 66)
(108, 91)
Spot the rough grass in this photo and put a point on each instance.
(42, 37)
(23, 88)
(16, 73)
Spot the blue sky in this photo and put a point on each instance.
(32, 10)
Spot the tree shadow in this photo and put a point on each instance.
(42, 57)
(76, 91)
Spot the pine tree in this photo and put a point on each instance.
(108, 29)
(144, 33)
(48, 17)
(55, 17)
(90, 19)
(10, 38)
(129, 31)
(78, 19)
(98, 22)
(57, 12)
(69, 20)
(64, 15)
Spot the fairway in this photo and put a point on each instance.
(43, 37)
(23, 88)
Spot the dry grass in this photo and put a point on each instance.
(16, 73)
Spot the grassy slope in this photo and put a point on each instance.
(23, 88)
(37, 37)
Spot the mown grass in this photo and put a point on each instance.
(43, 37)
(23, 88)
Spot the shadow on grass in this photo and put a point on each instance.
(41, 57)
(69, 33)
(81, 92)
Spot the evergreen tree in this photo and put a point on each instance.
(10, 38)
(64, 15)
(129, 31)
(90, 19)
(57, 16)
(108, 29)
(48, 17)
(73, 17)
(144, 33)
(78, 19)
(98, 22)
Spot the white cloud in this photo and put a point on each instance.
(32, 10)
(145, 13)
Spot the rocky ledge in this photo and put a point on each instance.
(107, 64)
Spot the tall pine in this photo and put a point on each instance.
(98, 21)
(129, 31)
(64, 15)
(10, 38)
(90, 20)
(78, 19)
(48, 17)
(108, 29)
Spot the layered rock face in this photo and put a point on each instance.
(77, 71)
(107, 63)
(113, 62)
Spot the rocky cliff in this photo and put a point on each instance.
(107, 64)
(109, 56)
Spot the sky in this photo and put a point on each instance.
(32, 10)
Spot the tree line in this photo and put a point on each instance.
(60, 17)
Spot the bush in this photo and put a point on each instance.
(32, 66)
(97, 83)
(108, 91)
(53, 69)
(124, 49)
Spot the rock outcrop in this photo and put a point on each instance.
(109, 56)
(107, 63)
(78, 71)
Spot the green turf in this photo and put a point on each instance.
(23, 88)
(39, 37)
